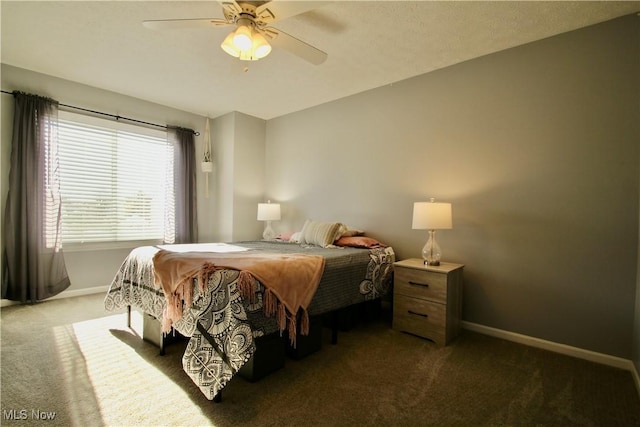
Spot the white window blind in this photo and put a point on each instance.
(116, 181)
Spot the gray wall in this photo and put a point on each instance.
(236, 185)
(536, 147)
(238, 150)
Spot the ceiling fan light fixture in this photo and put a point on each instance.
(242, 38)
(261, 47)
(228, 46)
(243, 34)
(250, 38)
(246, 42)
(247, 56)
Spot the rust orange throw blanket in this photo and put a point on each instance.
(290, 281)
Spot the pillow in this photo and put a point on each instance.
(284, 236)
(350, 232)
(359, 242)
(320, 233)
(296, 237)
(343, 229)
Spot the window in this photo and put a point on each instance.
(116, 181)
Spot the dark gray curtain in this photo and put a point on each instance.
(33, 262)
(184, 178)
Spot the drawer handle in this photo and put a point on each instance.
(426, 285)
(418, 314)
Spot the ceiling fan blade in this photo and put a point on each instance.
(282, 40)
(273, 11)
(179, 24)
(231, 9)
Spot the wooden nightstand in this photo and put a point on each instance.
(427, 300)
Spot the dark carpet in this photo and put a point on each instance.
(67, 362)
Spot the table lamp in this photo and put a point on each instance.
(268, 212)
(431, 216)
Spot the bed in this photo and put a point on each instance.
(222, 324)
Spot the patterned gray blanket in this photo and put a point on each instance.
(222, 325)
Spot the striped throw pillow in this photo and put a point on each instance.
(320, 233)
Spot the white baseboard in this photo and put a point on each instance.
(605, 359)
(65, 294)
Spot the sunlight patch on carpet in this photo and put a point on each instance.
(128, 388)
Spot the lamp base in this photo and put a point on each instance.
(431, 251)
(268, 234)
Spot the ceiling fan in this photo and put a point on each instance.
(253, 36)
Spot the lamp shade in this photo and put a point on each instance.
(260, 47)
(242, 37)
(431, 216)
(268, 211)
(228, 46)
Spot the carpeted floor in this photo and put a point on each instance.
(70, 360)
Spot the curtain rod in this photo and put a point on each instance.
(117, 117)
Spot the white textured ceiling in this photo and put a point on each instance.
(369, 44)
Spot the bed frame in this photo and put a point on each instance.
(329, 307)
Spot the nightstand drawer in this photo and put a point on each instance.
(421, 284)
(419, 317)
